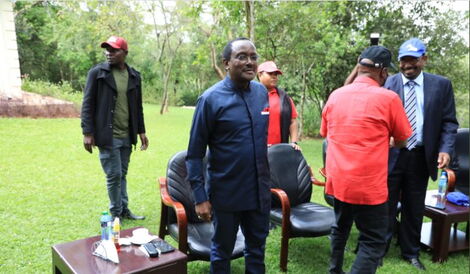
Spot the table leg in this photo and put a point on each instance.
(440, 235)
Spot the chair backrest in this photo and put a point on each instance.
(179, 188)
(460, 162)
(290, 172)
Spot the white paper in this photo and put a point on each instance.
(107, 251)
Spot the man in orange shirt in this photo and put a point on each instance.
(282, 113)
(358, 121)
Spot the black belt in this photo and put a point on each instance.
(417, 149)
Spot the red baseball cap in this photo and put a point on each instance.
(115, 42)
(269, 66)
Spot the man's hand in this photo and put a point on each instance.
(352, 75)
(392, 142)
(397, 144)
(144, 141)
(295, 146)
(204, 211)
(443, 160)
(89, 142)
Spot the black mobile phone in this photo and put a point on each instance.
(163, 246)
(151, 250)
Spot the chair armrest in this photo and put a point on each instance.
(314, 180)
(181, 217)
(322, 172)
(450, 179)
(285, 205)
(166, 198)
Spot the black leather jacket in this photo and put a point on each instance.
(99, 102)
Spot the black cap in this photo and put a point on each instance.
(381, 57)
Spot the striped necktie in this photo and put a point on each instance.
(410, 109)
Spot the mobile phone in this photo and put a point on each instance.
(151, 250)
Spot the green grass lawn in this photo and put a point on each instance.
(52, 191)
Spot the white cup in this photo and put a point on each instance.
(140, 233)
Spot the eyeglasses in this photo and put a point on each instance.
(244, 57)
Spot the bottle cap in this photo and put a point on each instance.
(104, 213)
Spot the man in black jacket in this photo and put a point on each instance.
(112, 116)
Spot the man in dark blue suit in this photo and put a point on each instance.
(231, 119)
(429, 103)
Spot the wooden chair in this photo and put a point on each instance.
(291, 186)
(178, 217)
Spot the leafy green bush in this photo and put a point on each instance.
(188, 98)
(62, 91)
(461, 104)
(311, 122)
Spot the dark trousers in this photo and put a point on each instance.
(255, 228)
(372, 223)
(408, 183)
(115, 162)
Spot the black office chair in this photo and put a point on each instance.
(291, 185)
(458, 171)
(178, 216)
(328, 198)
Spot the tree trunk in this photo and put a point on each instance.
(166, 78)
(250, 19)
(303, 96)
(216, 68)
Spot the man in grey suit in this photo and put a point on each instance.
(429, 104)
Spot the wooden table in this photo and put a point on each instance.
(77, 257)
(439, 235)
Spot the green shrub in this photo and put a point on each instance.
(62, 91)
(188, 98)
(461, 104)
(311, 121)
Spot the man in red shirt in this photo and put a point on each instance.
(282, 113)
(360, 121)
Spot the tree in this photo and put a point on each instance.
(316, 43)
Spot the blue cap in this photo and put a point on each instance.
(458, 198)
(413, 47)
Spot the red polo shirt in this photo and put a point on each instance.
(274, 128)
(358, 121)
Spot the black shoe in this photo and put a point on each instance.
(127, 214)
(416, 263)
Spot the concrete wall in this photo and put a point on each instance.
(10, 78)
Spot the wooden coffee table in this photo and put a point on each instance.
(77, 257)
(439, 235)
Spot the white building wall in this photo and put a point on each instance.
(10, 77)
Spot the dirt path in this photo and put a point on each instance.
(36, 106)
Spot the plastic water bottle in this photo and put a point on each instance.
(105, 221)
(442, 187)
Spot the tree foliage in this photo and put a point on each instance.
(177, 45)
